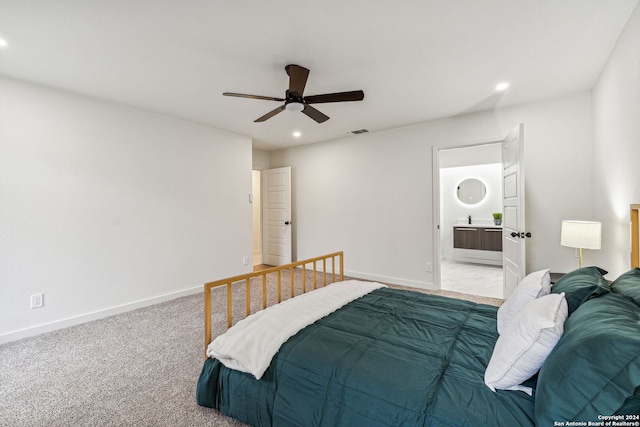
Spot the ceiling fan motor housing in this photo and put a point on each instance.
(293, 101)
(296, 101)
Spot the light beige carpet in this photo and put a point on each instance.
(135, 369)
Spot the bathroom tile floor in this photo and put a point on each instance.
(468, 278)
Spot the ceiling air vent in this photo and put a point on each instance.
(358, 132)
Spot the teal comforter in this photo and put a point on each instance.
(390, 358)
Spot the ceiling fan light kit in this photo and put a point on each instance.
(294, 99)
(294, 106)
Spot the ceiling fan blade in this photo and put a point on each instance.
(270, 114)
(242, 95)
(315, 114)
(297, 78)
(355, 95)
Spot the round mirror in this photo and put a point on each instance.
(471, 191)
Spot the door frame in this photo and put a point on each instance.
(437, 252)
(635, 234)
(256, 216)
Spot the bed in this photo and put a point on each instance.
(392, 357)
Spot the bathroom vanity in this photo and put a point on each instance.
(477, 243)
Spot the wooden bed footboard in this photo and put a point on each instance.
(230, 281)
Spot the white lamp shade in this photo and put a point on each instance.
(581, 234)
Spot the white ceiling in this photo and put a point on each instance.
(416, 60)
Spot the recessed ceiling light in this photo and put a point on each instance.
(3, 43)
(297, 134)
(502, 86)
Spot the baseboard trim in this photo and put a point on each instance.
(100, 314)
(391, 280)
(378, 278)
(95, 315)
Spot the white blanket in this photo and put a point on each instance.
(250, 344)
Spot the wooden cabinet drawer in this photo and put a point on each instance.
(481, 238)
(491, 239)
(466, 238)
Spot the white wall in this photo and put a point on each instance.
(472, 155)
(105, 207)
(371, 195)
(616, 160)
(261, 159)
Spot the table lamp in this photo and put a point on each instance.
(581, 235)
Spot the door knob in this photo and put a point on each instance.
(521, 235)
(287, 222)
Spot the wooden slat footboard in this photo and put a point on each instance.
(228, 282)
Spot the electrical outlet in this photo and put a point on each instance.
(245, 260)
(37, 300)
(429, 267)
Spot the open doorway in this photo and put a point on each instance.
(256, 191)
(470, 180)
(272, 224)
(635, 235)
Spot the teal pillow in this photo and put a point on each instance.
(628, 284)
(595, 367)
(581, 285)
(632, 404)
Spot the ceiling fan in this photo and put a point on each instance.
(294, 99)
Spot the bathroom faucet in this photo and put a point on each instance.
(469, 218)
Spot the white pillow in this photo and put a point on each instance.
(526, 343)
(532, 286)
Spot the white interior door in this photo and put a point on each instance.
(513, 224)
(276, 203)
